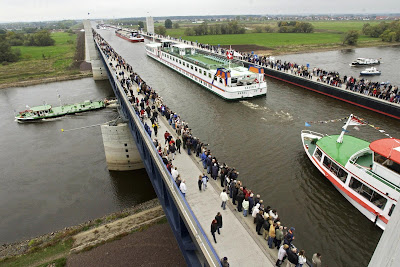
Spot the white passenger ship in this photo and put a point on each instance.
(366, 174)
(230, 80)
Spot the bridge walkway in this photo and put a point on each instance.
(237, 240)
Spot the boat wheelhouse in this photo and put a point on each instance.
(131, 36)
(226, 78)
(366, 174)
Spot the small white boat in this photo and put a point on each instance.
(370, 71)
(365, 61)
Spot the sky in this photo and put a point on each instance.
(45, 10)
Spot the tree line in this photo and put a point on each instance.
(11, 38)
(232, 27)
(388, 32)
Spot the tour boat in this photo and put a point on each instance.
(47, 111)
(366, 174)
(131, 36)
(370, 71)
(365, 61)
(223, 76)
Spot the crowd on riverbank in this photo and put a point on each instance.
(148, 105)
(381, 90)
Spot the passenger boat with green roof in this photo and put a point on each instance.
(225, 77)
(366, 174)
(48, 112)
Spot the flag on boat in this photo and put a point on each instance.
(229, 55)
(356, 121)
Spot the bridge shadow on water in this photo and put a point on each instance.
(131, 187)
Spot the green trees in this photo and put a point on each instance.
(295, 26)
(232, 27)
(6, 53)
(351, 37)
(168, 24)
(141, 24)
(388, 32)
(176, 25)
(40, 38)
(160, 30)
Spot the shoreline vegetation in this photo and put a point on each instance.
(265, 37)
(54, 247)
(44, 64)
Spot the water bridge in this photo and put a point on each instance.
(189, 217)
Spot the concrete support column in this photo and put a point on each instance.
(92, 56)
(120, 148)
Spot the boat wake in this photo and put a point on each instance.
(283, 115)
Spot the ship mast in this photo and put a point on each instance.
(344, 130)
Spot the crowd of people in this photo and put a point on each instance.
(383, 90)
(148, 105)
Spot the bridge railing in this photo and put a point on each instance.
(198, 235)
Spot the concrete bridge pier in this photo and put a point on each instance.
(92, 55)
(120, 148)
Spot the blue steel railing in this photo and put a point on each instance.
(184, 224)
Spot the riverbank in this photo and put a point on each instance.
(76, 76)
(82, 237)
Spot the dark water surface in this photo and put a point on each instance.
(261, 138)
(49, 179)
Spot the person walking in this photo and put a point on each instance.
(155, 127)
(200, 182)
(224, 262)
(205, 180)
(214, 227)
(178, 144)
(183, 188)
(224, 197)
(218, 217)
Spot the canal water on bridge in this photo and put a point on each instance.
(261, 138)
(49, 179)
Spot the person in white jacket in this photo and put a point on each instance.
(281, 254)
(183, 188)
(245, 206)
(224, 197)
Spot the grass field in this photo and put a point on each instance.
(42, 62)
(327, 35)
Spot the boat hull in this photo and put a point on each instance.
(130, 39)
(57, 113)
(209, 86)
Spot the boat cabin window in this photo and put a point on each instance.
(191, 66)
(368, 193)
(180, 62)
(220, 80)
(195, 69)
(318, 154)
(391, 209)
(215, 77)
(205, 73)
(209, 75)
(384, 161)
(335, 169)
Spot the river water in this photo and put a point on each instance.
(49, 179)
(261, 138)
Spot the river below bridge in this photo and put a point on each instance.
(51, 179)
(261, 138)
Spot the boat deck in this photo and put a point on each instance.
(365, 160)
(311, 144)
